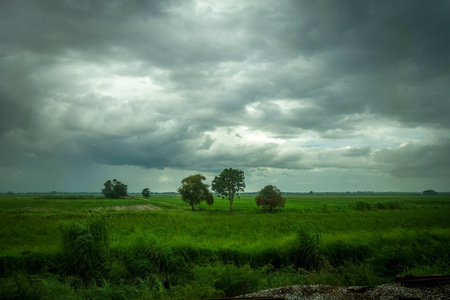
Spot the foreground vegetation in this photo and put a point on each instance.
(77, 248)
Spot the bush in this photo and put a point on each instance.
(340, 252)
(85, 247)
(430, 192)
(21, 286)
(361, 205)
(270, 198)
(149, 259)
(30, 262)
(307, 252)
(229, 279)
(388, 205)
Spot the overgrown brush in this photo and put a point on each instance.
(30, 262)
(389, 205)
(85, 247)
(21, 286)
(146, 258)
(340, 252)
(430, 266)
(307, 252)
(227, 279)
(362, 205)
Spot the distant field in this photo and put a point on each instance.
(362, 240)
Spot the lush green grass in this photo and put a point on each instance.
(176, 253)
(61, 204)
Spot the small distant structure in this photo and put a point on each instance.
(429, 192)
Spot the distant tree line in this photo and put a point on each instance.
(228, 185)
(429, 192)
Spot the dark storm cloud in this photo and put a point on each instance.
(386, 57)
(179, 84)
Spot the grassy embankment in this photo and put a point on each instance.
(52, 246)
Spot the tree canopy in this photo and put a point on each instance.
(229, 183)
(270, 198)
(114, 189)
(146, 192)
(429, 192)
(193, 190)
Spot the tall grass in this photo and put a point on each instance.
(85, 248)
(307, 251)
(21, 286)
(175, 253)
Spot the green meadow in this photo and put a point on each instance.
(78, 247)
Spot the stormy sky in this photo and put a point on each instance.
(305, 95)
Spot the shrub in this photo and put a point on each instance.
(361, 205)
(428, 266)
(84, 247)
(228, 279)
(30, 262)
(430, 192)
(270, 198)
(146, 192)
(21, 286)
(307, 252)
(149, 258)
(388, 205)
(341, 252)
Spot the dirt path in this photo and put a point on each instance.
(129, 207)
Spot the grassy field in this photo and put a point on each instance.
(79, 248)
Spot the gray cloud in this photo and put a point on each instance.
(191, 85)
(417, 160)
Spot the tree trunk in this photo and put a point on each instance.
(231, 204)
(192, 207)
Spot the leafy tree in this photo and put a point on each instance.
(146, 193)
(193, 190)
(270, 198)
(114, 189)
(429, 192)
(229, 183)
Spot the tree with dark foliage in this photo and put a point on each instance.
(430, 192)
(146, 193)
(114, 189)
(270, 198)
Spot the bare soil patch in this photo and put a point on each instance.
(128, 207)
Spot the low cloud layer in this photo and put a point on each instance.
(167, 88)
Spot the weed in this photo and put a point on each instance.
(307, 252)
(361, 205)
(21, 286)
(229, 279)
(429, 266)
(85, 247)
(339, 252)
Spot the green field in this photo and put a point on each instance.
(77, 248)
